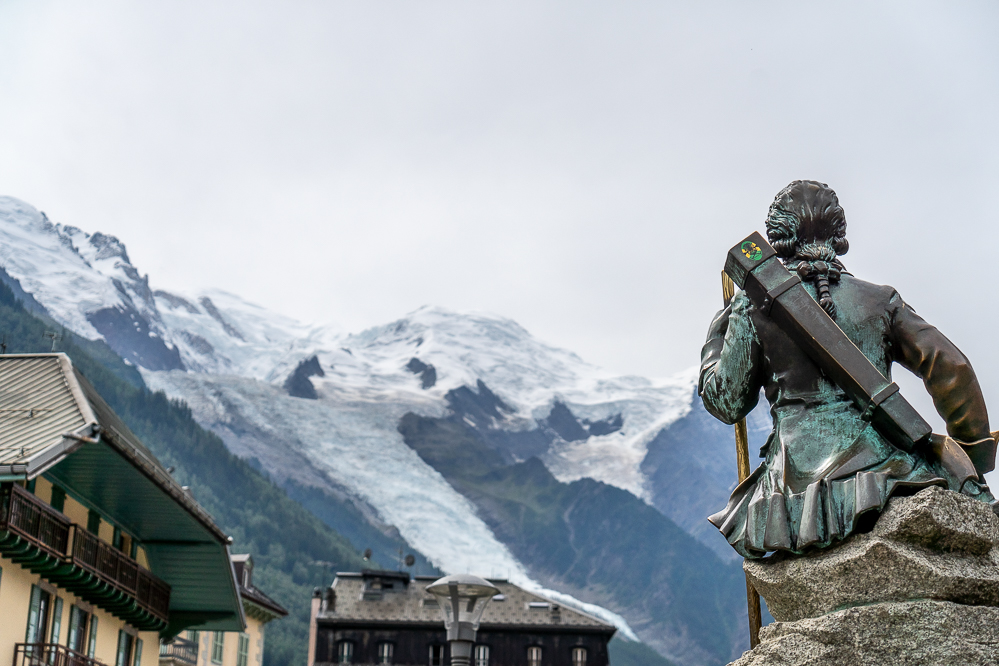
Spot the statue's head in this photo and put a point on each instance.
(807, 228)
(806, 222)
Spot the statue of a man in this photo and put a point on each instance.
(826, 471)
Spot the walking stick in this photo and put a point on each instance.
(742, 456)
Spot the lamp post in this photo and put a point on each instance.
(462, 599)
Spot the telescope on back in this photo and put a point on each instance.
(754, 266)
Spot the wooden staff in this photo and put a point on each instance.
(742, 456)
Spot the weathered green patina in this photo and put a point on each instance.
(824, 465)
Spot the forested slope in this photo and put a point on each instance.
(293, 550)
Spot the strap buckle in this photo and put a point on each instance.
(777, 292)
(877, 399)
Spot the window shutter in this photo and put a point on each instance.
(137, 658)
(92, 642)
(34, 608)
(56, 620)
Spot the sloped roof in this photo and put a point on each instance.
(48, 410)
(37, 408)
(53, 422)
(513, 607)
(262, 606)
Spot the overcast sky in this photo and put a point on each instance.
(581, 167)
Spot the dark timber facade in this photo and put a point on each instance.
(381, 617)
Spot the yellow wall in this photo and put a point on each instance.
(230, 645)
(15, 596)
(43, 490)
(75, 511)
(255, 630)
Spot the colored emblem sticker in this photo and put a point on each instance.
(752, 251)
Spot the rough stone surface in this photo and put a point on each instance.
(934, 545)
(914, 633)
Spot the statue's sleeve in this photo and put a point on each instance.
(945, 371)
(729, 382)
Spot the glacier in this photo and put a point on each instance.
(232, 358)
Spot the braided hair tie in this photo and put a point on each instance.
(821, 273)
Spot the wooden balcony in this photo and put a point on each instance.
(45, 541)
(38, 526)
(113, 568)
(50, 654)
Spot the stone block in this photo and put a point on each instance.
(935, 545)
(913, 633)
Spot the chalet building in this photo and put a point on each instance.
(219, 648)
(384, 617)
(102, 552)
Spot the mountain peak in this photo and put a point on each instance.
(108, 247)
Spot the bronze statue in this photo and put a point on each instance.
(839, 447)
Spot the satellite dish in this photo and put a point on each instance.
(410, 560)
(367, 554)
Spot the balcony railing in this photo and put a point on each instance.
(47, 542)
(50, 654)
(33, 520)
(180, 650)
(117, 569)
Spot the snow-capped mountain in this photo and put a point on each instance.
(322, 408)
(87, 283)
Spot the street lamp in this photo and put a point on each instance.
(462, 599)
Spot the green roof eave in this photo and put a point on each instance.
(185, 552)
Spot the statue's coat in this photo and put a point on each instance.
(824, 466)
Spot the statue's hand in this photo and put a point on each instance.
(953, 456)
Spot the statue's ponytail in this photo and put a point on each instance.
(807, 228)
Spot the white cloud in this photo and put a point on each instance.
(579, 166)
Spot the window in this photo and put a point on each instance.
(534, 656)
(92, 640)
(578, 656)
(192, 636)
(218, 644)
(93, 521)
(243, 650)
(345, 652)
(481, 655)
(385, 651)
(78, 621)
(38, 615)
(137, 656)
(124, 655)
(56, 620)
(58, 498)
(436, 655)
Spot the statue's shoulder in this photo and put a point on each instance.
(863, 286)
(878, 296)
